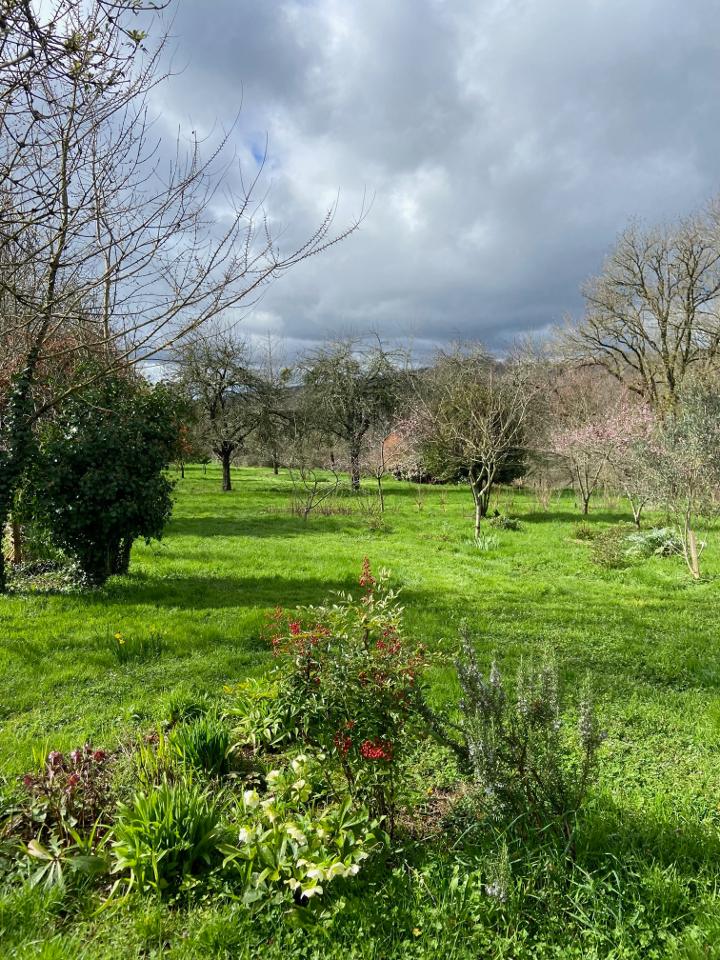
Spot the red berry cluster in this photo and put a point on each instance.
(377, 749)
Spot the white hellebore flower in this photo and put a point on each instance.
(251, 799)
(295, 833)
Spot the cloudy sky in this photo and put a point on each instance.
(505, 144)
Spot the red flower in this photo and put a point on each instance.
(28, 781)
(99, 756)
(73, 780)
(55, 758)
(295, 627)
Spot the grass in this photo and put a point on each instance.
(649, 860)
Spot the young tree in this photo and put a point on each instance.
(473, 419)
(653, 315)
(107, 247)
(684, 463)
(349, 390)
(587, 448)
(635, 426)
(215, 369)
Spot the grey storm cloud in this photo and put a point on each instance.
(505, 144)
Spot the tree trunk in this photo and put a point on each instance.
(121, 562)
(478, 516)
(16, 541)
(381, 492)
(226, 474)
(17, 440)
(355, 466)
(692, 556)
(586, 504)
(182, 469)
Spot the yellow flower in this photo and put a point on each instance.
(416, 931)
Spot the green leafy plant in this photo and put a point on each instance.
(184, 703)
(290, 845)
(609, 548)
(265, 713)
(503, 522)
(584, 531)
(72, 853)
(165, 836)
(128, 647)
(485, 542)
(658, 542)
(202, 744)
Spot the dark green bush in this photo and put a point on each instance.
(98, 481)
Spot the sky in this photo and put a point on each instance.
(501, 146)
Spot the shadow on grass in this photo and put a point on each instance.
(205, 593)
(269, 525)
(202, 593)
(571, 516)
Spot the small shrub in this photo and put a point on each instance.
(517, 748)
(503, 522)
(70, 792)
(659, 542)
(128, 647)
(202, 744)
(347, 670)
(609, 548)
(584, 531)
(163, 837)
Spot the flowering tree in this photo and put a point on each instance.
(684, 465)
(635, 427)
(615, 440)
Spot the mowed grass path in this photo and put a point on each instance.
(647, 635)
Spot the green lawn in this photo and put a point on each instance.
(646, 633)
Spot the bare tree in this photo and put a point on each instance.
(350, 389)
(274, 397)
(107, 246)
(474, 419)
(652, 315)
(215, 368)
